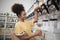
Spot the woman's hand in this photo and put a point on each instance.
(36, 6)
(38, 33)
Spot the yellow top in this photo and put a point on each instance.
(24, 26)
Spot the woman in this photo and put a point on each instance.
(22, 27)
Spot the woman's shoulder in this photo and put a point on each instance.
(17, 23)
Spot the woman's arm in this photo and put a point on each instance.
(26, 37)
(37, 33)
(36, 12)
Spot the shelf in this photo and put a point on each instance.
(1, 34)
(7, 21)
(2, 28)
(2, 15)
(7, 34)
(12, 16)
(8, 39)
(10, 28)
(2, 31)
(11, 22)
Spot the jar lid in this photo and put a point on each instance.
(53, 19)
(45, 20)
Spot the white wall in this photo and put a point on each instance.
(5, 5)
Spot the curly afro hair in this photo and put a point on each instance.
(17, 9)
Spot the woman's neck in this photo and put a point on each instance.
(21, 20)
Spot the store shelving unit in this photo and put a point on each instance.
(7, 23)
